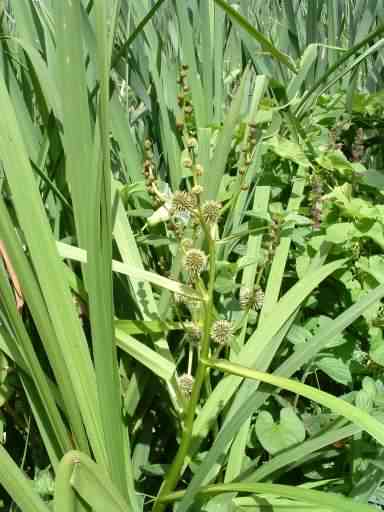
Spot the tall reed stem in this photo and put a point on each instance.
(175, 470)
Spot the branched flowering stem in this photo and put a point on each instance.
(174, 472)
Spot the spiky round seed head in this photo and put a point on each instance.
(179, 299)
(211, 212)
(195, 262)
(199, 170)
(251, 299)
(187, 163)
(246, 297)
(193, 304)
(186, 244)
(191, 142)
(259, 298)
(222, 332)
(186, 383)
(197, 190)
(188, 109)
(193, 332)
(359, 356)
(147, 144)
(183, 202)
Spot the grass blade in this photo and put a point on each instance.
(17, 485)
(358, 416)
(258, 36)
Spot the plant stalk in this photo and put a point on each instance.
(174, 472)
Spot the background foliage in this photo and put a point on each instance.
(192, 234)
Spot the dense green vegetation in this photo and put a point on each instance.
(192, 236)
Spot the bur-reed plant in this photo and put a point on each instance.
(192, 230)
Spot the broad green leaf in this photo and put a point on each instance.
(257, 473)
(340, 232)
(373, 178)
(277, 436)
(288, 149)
(336, 369)
(335, 161)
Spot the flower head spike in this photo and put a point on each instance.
(186, 244)
(246, 298)
(179, 299)
(175, 204)
(197, 190)
(211, 212)
(186, 383)
(193, 332)
(222, 332)
(195, 262)
(259, 297)
(251, 299)
(183, 202)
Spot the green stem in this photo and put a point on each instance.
(175, 470)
